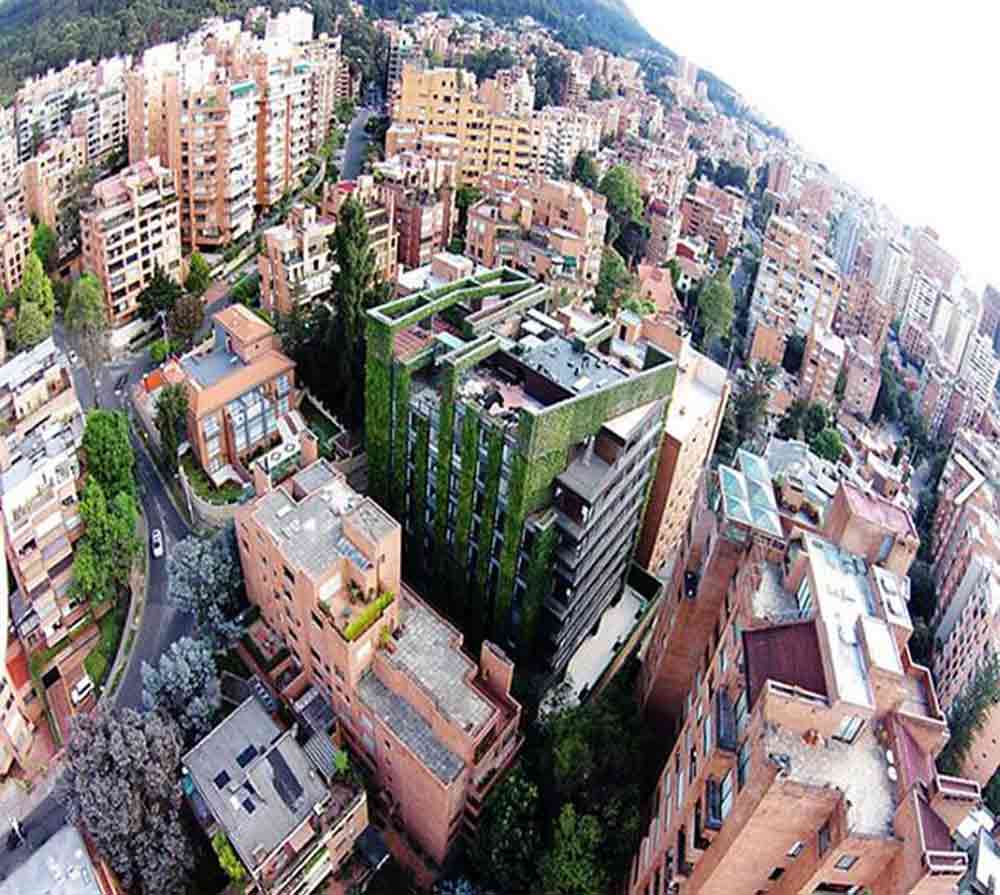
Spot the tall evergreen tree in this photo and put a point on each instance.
(171, 421)
(87, 323)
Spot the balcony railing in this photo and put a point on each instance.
(725, 722)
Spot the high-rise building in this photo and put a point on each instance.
(518, 465)
(919, 304)
(129, 227)
(980, 367)
(890, 270)
(434, 729)
(989, 322)
(15, 243)
(822, 362)
(715, 215)
(378, 202)
(846, 238)
(863, 374)
(664, 231)
(863, 311)
(50, 177)
(805, 755)
(295, 262)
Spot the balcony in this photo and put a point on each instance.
(725, 722)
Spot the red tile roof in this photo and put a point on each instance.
(17, 670)
(788, 654)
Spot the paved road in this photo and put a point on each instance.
(354, 146)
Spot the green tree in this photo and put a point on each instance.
(357, 286)
(45, 245)
(715, 309)
(31, 326)
(36, 287)
(199, 275)
(120, 786)
(107, 452)
(344, 111)
(573, 866)
(160, 294)
(750, 399)
(465, 197)
(795, 349)
(598, 91)
(840, 387)
(231, 865)
(790, 424)
(104, 554)
(585, 171)
(612, 280)
(68, 222)
(186, 318)
(171, 421)
(815, 420)
(621, 188)
(505, 849)
(87, 323)
(184, 685)
(828, 445)
(968, 714)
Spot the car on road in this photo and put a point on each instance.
(157, 542)
(81, 690)
(120, 383)
(74, 358)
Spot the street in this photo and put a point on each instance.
(354, 146)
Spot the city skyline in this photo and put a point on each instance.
(889, 96)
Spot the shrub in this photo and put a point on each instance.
(368, 616)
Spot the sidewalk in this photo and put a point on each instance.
(17, 800)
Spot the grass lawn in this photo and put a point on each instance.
(203, 487)
(98, 662)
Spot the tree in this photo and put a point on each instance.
(171, 421)
(968, 714)
(749, 401)
(31, 327)
(184, 685)
(790, 424)
(815, 420)
(612, 279)
(160, 295)
(597, 90)
(199, 275)
(107, 451)
(68, 222)
(840, 387)
(103, 556)
(465, 197)
(585, 171)
(357, 286)
(572, 865)
(87, 323)
(120, 786)
(795, 349)
(45, 245)
(36, 288)
(828, 445)
(203, 577)
(504, 852)
(186, 318)
(715, 309)
(621, 188)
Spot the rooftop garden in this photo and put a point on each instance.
(351, 614)
(230, 492)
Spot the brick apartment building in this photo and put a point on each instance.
(277, 798)
(715, 215)
(552, 230)
(129, 228)
(435, 729)
(822, 362)
(544, 568)
(805, 754)
(50, 176)
(295, 262)
(239, 386)
(15, 243)
(863, 373)
(378, 203)
(863, 311)
(664, 231)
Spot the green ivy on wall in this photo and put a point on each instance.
(516, 516)
(400, 437)
(491, 478)
(538, 577)
(442, 471)
(466, 486)
(421, 452)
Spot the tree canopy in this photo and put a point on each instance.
(107, 451)
(171, 421)
(613, 281)
(184, 685)
(87, 322)
(505, 849)
(715, 309)
(45, 245)
(828, 445)
(572, 865)
(120, 786)
(36, 288)
(185, 319)
(585, 171)
(621, 188)
(103, 556)
(161, 294)
(795, 349)
(30, 327)
(199, 275)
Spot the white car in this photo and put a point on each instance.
(157, 541)
(81, 690)
(74, 358)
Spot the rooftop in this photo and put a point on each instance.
(259, 784)
(27, 364)
(52, 441)
(748, 495)
(60, 866)
(243, 323)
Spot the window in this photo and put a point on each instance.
(796, 849)
(846, 862)
(849, 728)
(742, 762)
(726, 795)
(776, 874)
(823, 839)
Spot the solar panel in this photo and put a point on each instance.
(246, 756)
(249, 806)
(222, 779)
(285, 782)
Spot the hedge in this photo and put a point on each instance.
(368, 616)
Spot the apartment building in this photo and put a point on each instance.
(931, 258)
(919, 303)
(434, 729)
(102, 121)
(15, 243)
(64, 863)
(210, 131)
(714, 215)
(805, 756)
(989, 321)
(330, 83)
(863, 376)
(846, 238)
(519, 466)
(891, 263)
(43, 105)
(129, 227)
(284, 125)
(50, 176)
(276, 797)
(39, 491)
(509, 92)
(664, 231)
(979, 369)
(550, 229)
(295, 262)
(443, 102)
(379, 206)
(239, 385)
(796, 285)
(566, 132)
(863, 312)
(822, 362)
(423, 189)
(697, 404)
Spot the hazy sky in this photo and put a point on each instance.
(901, 99)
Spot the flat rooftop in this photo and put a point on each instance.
(259, 784)
(60, 866)
(310, 532)
(577, 371)
(748, 495)
(30, 363)
(49, 442)
(212, 367)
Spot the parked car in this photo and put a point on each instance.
(157, 541)
(81, 690)
(74, 358)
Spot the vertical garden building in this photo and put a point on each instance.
(517, 449)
